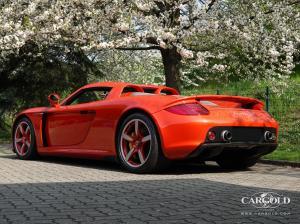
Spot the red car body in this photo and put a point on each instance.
(89, 130)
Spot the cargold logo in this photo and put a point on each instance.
(266, 200)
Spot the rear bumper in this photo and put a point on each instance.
(180, 135)
(209, 151)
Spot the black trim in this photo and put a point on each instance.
(241, 134)
(86, 112)
(237, 144)
(44, 121)
(251, 149)
(72, 98)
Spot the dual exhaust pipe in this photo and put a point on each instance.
(227, 136)
(269, 136)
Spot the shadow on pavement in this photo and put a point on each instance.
(154, 201)
(178, 168)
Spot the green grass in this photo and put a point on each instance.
(284, 107)
(281, 154)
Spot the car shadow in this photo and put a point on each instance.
(110, 164)
(175, 167)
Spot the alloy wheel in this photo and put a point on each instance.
(135, 143)
(22, 138)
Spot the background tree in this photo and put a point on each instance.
(130, 66)
(254, 40)
(27, 78)
(256, 31)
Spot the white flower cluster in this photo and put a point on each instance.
(246, 37)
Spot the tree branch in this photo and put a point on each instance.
(210, 5)
(138, 48)
(193, 19)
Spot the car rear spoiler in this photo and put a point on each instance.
(225, 101)
(240, 99)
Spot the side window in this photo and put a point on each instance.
(149, 90)
(129, 90)
(166, 92)
(89, 95)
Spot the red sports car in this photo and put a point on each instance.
(146, 126)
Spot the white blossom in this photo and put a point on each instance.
(239, 35)
(274, 53)
(123, 26)
(186, 53)
(219, 68)
(168, 36)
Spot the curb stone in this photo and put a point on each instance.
(279, 162)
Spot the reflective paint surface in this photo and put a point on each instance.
(91, 130)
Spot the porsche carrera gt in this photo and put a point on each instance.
(146, 126)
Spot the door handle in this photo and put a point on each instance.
(86, 112)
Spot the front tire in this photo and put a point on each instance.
(24, 142)
(138, 146)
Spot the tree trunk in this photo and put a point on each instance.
(172, 62)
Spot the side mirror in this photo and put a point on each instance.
(54, 99)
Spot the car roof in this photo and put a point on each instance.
(106, 84)
(122, 84)
(117, 88)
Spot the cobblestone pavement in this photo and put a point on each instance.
(53, 190)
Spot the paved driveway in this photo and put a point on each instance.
(84, 191)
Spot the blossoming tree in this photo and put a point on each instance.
(181, 30)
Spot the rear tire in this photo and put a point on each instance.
(138, 145)
(236, 163)
(24, 142)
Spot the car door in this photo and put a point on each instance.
(69, 124)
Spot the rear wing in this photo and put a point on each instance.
(231, 101)
(225, 101)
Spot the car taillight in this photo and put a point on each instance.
(188, 109)
(211, 136)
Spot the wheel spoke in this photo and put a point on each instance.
(141, 156)
(27, 143)
(18, 140)
(136, 127)
(135, 143)
(22, 149)
(27, 129)
(146, 138)
(127, 137)
(130, 153)
(21, 129)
